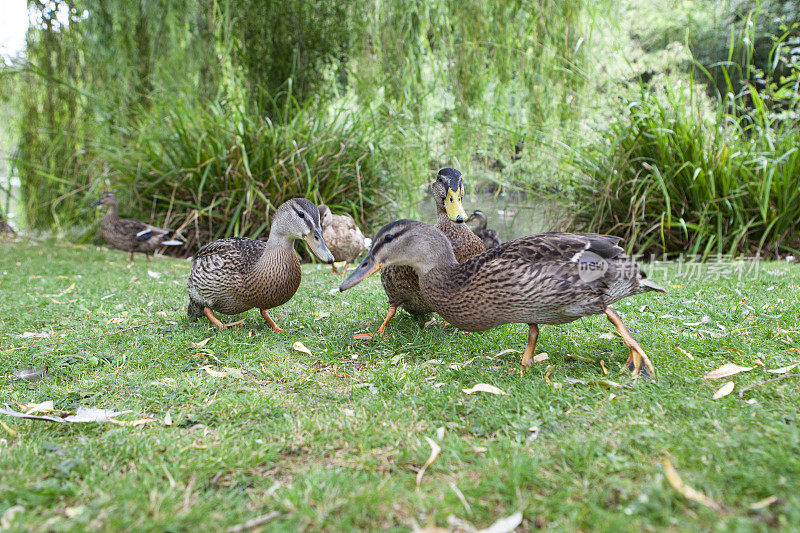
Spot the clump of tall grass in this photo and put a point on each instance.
(671, 180)
(219, 169)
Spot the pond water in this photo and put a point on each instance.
(512, 214)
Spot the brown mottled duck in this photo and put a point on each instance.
(548, 278)
(401, 283)
(344, 239)
(130, 235)
(234, 275)
(489, 237)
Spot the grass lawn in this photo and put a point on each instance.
(333, 440)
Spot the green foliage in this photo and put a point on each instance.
(220, 168)
(288, 42)
(671, 180)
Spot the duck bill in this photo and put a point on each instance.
(95, 204)
(453, 207)
(367, 268)
(317, 245)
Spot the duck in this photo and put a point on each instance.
(546, 278)
(400, 283)
(130, 235)
(234, 275)
(489, 237)
(341, 234)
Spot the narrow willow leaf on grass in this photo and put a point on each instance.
(300, 347)
(200, 344)
(92, 414)
(214, 373)
(541, 357)
(8, 429)
(761, 504)
(505, 352)
(724, 390)
(784, 370)
(504, 525)
(608, 336)
(603, 366)
(137, 422)
(168, 419)
(32, 407)
(435, 449)
(728, 369)
(684, 352)
(485, 387)
(685, 490)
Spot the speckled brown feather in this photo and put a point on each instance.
(234, 275)
(401, 283)
(122, 233)
(532, 280)
(344, 239)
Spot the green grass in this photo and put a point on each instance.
(306, 436)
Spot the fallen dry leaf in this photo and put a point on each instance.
(783, 370)
(137, 422)
(200, 344)
(485, 387)
(608, 336)
(724, 390)
(31, 408)
(728, 369)
(154, 275)
(685, 490)
(684, 352)
(504, 525)
(505, 352)
(116, 320)
(214, 373)
(761, 504)
(319, 315)
(435, 449)
(91, 414)
(541, 357)
(547, 372)
(300, 347)
(9, 430)
(603, 366)
(168, 419)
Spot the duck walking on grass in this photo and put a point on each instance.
(489, 237)
(342, 236)
(130, 235)
(234, 275)
(548, 278)
(401, 283)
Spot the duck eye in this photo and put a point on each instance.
(388, 237)
(301, 214)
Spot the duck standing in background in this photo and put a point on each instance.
(548, 278)
(234, 275)
(130, 235)
(401, 283)
(344, 239)
(489, 237)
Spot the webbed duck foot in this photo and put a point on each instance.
(369, 336)
(638, 362)
(272, 324)
(217, 324)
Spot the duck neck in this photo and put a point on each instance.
(280, 239)
(435, 255)
(113, 212)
